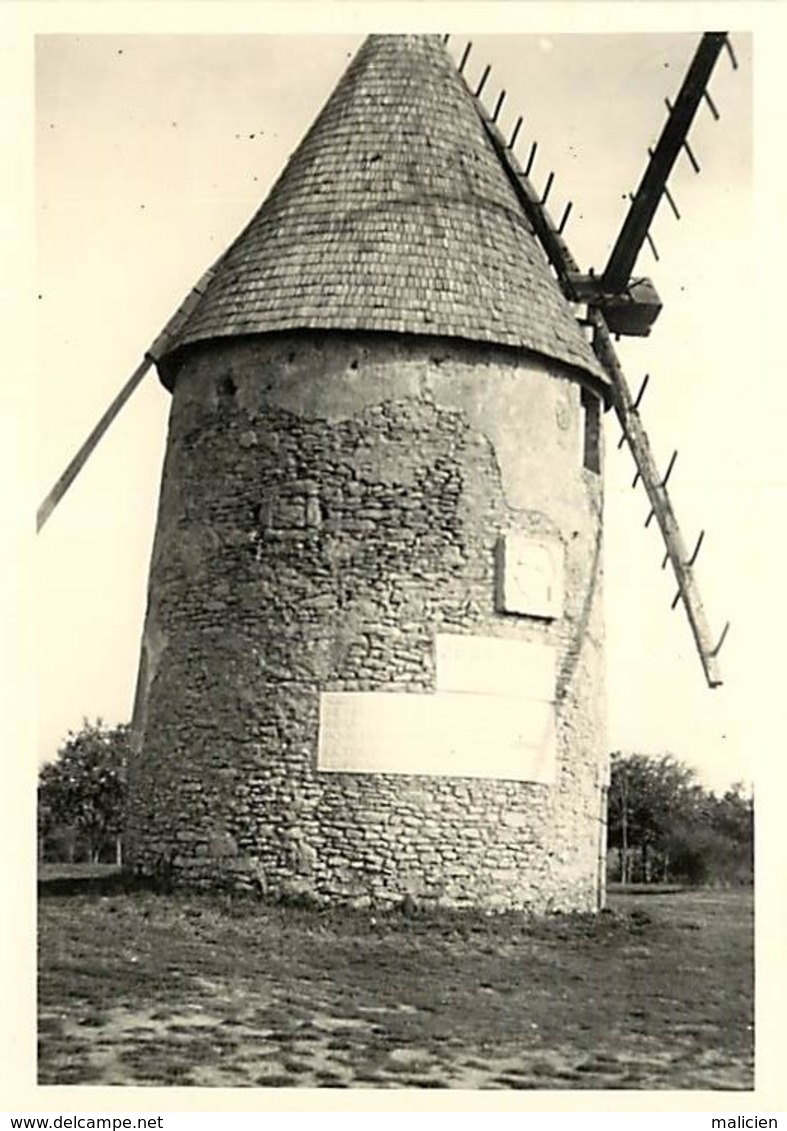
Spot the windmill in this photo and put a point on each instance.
(521, 629)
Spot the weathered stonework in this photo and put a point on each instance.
(330, 503)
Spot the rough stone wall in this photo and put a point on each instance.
(329, 503)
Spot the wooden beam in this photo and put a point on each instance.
(90, 444)
(533, 205)
(652, 186)
(656, 488)
(156, 350)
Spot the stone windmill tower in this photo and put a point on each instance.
(372, 662)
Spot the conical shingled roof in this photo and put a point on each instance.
(394, 214)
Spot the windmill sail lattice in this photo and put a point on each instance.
(673, 139)
(615, 277)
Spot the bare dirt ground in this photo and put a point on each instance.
(180, 990)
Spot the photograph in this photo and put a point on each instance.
(396, 649)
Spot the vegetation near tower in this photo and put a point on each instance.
(663, 826)
(81, 795)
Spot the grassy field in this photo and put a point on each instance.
(148, 989)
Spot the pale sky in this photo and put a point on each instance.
(153, 151)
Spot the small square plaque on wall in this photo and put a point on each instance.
(530, 576)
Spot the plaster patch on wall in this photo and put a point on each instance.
(515, 410)
(448, 734)
(339, 395)
(493, 665)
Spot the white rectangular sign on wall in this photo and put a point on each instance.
(495, 665)
(448, 734)
(530, 578)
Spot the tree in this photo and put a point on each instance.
(81, 795)
(732, 818)
(665, 826)
(647, 797)
(734, 815)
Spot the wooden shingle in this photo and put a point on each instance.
(394, 214)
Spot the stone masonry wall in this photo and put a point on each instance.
(329, 503)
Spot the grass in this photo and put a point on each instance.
(192, 990)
